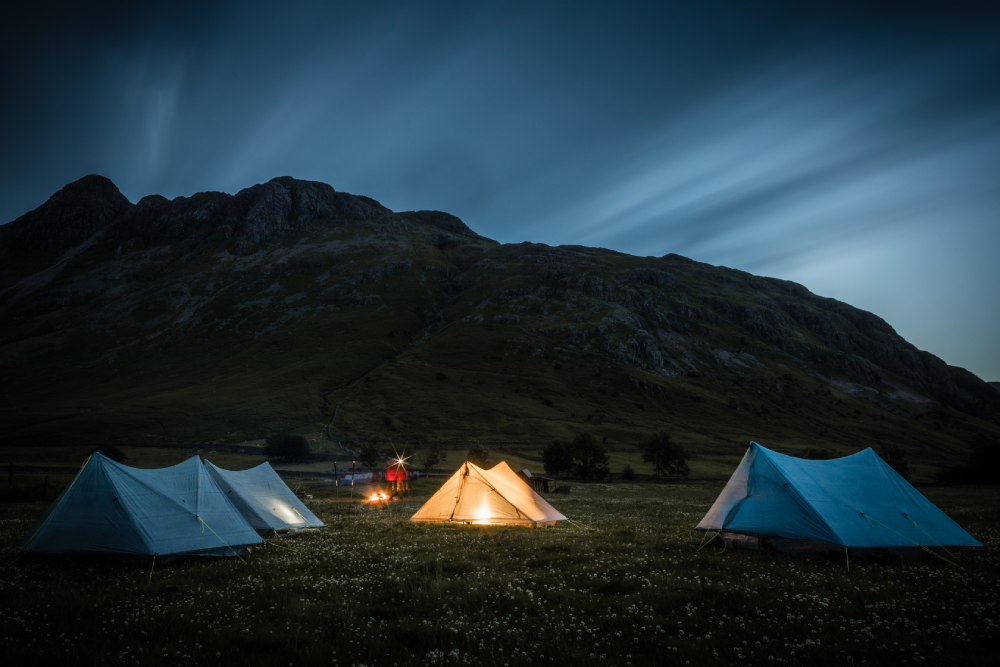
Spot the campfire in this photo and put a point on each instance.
(378, 496)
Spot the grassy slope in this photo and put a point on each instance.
(626, 586)
(178, 346)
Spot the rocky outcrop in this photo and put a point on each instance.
(663, 315)
(445, 221)
(68, 218)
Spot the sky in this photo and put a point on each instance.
(851, 147)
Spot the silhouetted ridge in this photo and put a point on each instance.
(69, 217)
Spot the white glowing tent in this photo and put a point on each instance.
(495, 496)
(263, 499)
(110, 508)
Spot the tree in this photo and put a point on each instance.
(590, 458)
(557, 457)
(432, 456)
(286, 447)
(369, 454)
(478, 455)
(984, 459)
(666, 456)
(895, 455)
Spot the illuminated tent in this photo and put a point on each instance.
(110, 508)
(495, 496)
(263, 499)
(779, 501)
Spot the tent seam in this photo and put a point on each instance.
(804, 500)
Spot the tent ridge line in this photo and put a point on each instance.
(804, 500)
(156, 491)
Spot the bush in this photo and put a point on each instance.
(895, 455)
(369, 454)
(432, 456)
(287, 448)
(590, 458)
(113, 453)
(666, 456)
(983, 461)
(557, 457)
(478, 455)
(628, 472)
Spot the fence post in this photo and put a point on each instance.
(45, 487)
(10, 475)
(352, 480)
(336, 479)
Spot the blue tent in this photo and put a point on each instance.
(263, 498)
(854, 501)
(110, 508)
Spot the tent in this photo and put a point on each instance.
(793, 504)
(110, 508)
(263, 499)
(495, 496)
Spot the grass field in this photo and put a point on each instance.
(624, 585)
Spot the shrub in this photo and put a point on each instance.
(369, 454)
(287, 448)
(590, 458)
(983, 461)
(557, 457)
(432, 456)
(666, 456)
(628, 472)
(478, 455)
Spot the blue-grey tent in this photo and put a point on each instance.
(110, 508)
(263, 498)
(855, 501)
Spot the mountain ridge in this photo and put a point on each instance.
(91, 280)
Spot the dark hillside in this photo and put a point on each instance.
(221, 318)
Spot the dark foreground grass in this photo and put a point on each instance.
(627, 586)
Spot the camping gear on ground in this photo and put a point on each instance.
(397, 474)
(537, 482)
(347, 479)
(495, 496)
(780, 502)
(110, 508)
(263, 498)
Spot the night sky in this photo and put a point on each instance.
(854, 149)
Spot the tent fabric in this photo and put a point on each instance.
(854, 501)
(110, 508)
(495, 496)
(263, 498)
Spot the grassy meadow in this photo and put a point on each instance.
(625, 584)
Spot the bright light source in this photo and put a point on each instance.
(482, 514)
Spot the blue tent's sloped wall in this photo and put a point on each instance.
(263, 498)
(855, 501)
(112, 508)
(86, 518)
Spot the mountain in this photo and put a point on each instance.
(291, 305)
